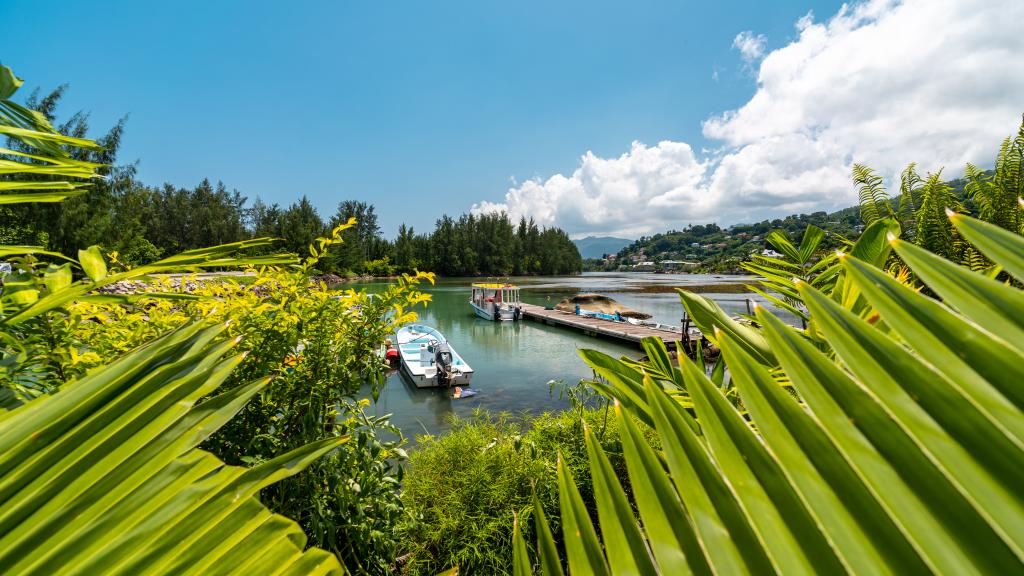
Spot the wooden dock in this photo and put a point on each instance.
(621, 331)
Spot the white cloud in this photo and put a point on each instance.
(624, 194)
(939, 82)
(751, 46)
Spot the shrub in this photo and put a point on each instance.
(381, 267)
(462, 488)
(346, 502)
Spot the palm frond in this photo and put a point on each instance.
(874, 200)
(897, 451)
(42, 169)
(104, 476)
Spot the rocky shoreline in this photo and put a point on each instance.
(189, 284)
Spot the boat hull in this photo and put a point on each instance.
(481, 312)
(503, 315)
(424, 381)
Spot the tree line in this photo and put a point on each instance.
(142, 223)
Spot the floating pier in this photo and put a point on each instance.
(622, 331)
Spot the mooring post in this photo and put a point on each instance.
(685, 322)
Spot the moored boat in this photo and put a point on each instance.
(429, 360)
(496, 301)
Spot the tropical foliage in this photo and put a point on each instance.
(880, 438)
(462, 485)
(883, 440)
(925, 201)
(104, 474)
(36, 149)
(320, 344)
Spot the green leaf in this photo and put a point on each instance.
(989, 303)
(809, 244)
(781, 304)
(57, 277)
(549, 563)
(666, 523)
(983, 372)
(859, 529)
(103, 476)
(8, 251)
(9, 83)
(1001, 246)
(962, 536)
(780, 240)
(40, 196)
(873, 245)
(92, 263)
(624, 546)
(626, 382)
(708, 315)
(581, 544)
(789, 533)
(520, 557)
(721, 525)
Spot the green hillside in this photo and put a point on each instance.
(717, 249)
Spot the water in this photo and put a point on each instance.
(513, 362)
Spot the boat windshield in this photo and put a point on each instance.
(419, 333)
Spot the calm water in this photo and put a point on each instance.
(514, 361)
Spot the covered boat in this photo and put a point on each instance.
(496, 301)
(599, 306)
(429, 360)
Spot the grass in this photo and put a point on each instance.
(462, 488)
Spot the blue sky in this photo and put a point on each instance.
(423, 108)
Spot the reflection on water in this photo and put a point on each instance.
(513, 362)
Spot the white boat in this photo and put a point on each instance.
(429, 360)
(495, 301)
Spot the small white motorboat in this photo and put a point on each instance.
(494, 301)
(429, 360)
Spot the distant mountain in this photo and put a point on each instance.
(597, 246)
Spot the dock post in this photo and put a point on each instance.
(685, 321)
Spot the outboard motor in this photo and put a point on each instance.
(517, 313)
(443, 361)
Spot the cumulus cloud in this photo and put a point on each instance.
(751, 46)
(939, 82)
(614, 193)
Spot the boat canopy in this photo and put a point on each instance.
(494, 285)
(495, 292)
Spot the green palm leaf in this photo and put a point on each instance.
(104, 475)
(45, 152)
(895, 446)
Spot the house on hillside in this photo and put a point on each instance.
(678, 265)
(768, 253)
